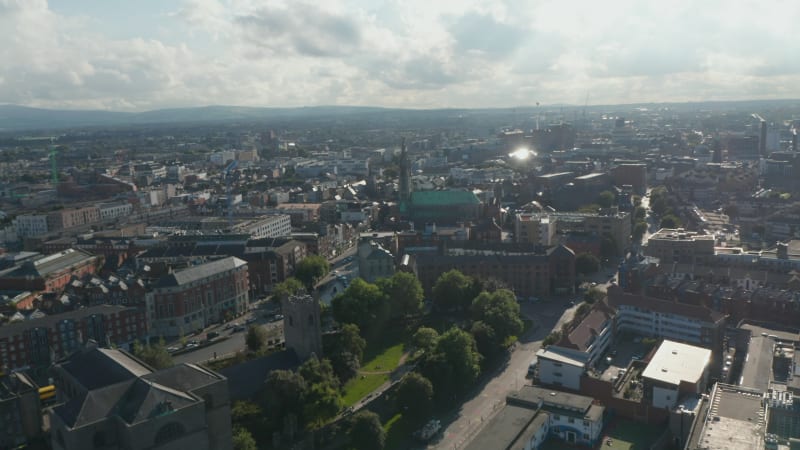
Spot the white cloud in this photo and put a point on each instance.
(412, 53)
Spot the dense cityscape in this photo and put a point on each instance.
(363, 278)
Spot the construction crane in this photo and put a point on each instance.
(230, 167)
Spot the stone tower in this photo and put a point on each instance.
(301, 326)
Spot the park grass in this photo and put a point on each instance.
(361, 385)
(388, 360)
(381, 357)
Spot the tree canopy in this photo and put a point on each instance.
(154, 355)
(290, 286)
(670, 221)
(425, 338)
(454, 363)
(605, 199)
(414, 395)
(256, 338)
(586, 263)
(500, 311)
(362, 303)
(310, 270)
(404, 293)
(453, 290)
(366, 431)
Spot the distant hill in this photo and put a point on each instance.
(14, 117)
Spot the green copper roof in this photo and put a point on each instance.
(436, 198)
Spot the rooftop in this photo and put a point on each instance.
(735, 420)
(15, 328)
(504, 428)
(674, 362)
(679, 234)
(532, 396)
(443, 198)
(200, 272)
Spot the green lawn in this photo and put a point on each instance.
(388, 360)
(381, 355)
(358, 387)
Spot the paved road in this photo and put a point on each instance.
(231, 345)
(477, 411)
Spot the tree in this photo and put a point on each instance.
(346, 352)
(594, 295)
(322, 402)
(154, 355)
(670, 221)
(284, 393)
(318, 371)
(458, 349)
(453, 290)
(256, 338)
(349, 339)
(500, 311)
(485, 339)
(731, 210)
(425, 338)
(404, 293)
(310, 270)
(366, 432)
(605, 199)
(363, 304)
(590, 208)
(290, 286)
(586, 263)
(414, 395)
(638, 231)
(243, 440)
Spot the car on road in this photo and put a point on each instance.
(172, 349)
(211, 335)
(238, 329)
(192, 344)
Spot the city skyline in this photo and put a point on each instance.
(445, 54)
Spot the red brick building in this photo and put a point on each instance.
(194, 298)
(50, 273)
(37, 343)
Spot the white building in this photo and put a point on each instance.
(30, 225)
(266, 227)
(561, 367)
(675, 370)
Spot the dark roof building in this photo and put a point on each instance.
(110, 399)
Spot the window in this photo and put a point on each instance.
(586, 423)
(571, 420)
(585, 437)
(556, 417)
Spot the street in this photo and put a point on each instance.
(233, 344)
(479, 409)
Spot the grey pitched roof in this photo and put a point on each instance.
(199, 272)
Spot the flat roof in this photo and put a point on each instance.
(735, 420)
(757, 368)
(503, 429)
(674, 362)
(555, 355)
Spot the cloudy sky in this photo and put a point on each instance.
(147, 54)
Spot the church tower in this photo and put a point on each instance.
(301, 326)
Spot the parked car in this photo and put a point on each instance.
(211, 335)
(238, 328)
